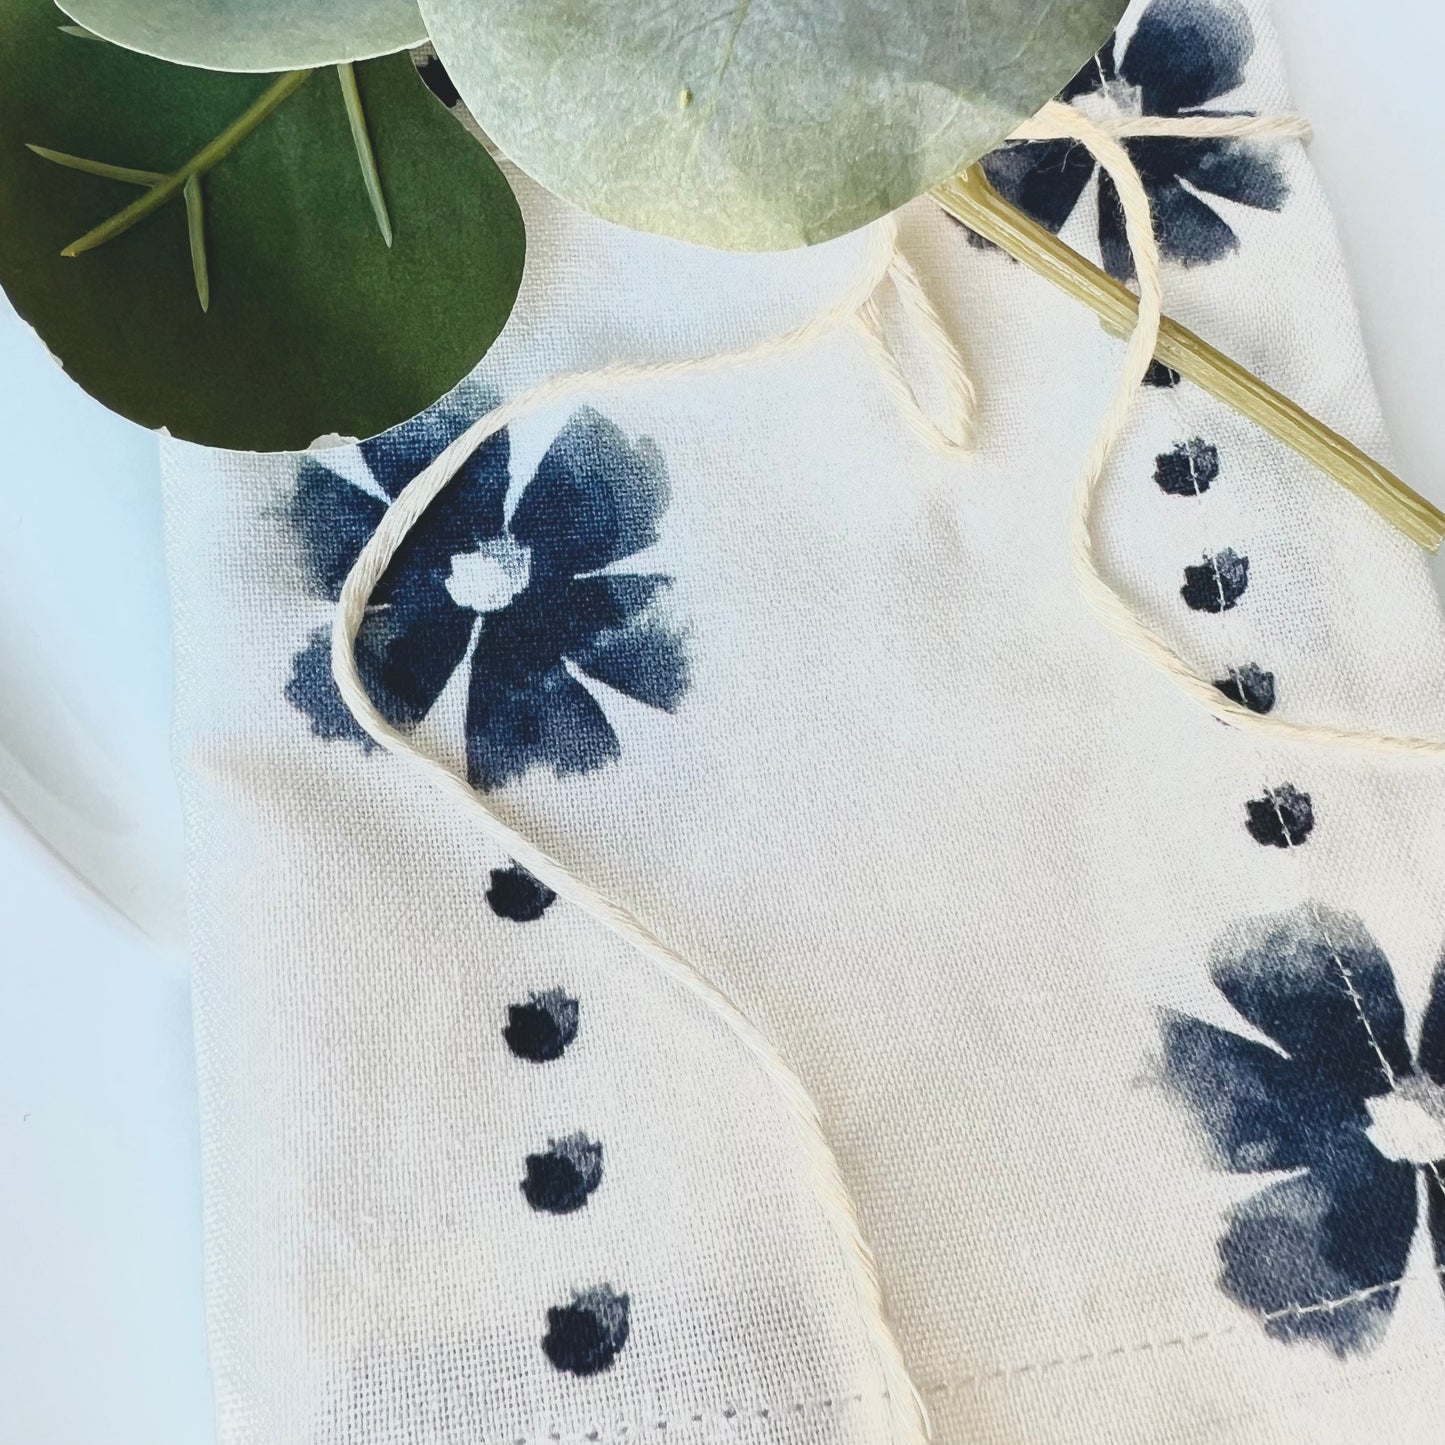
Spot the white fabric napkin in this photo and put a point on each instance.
(1122, 1025)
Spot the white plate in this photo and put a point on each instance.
(101, 1334)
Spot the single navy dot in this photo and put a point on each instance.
(1250, 686)
(1189, 470)
(584, 1337)
(1217, 583)
(515, 894)
(563, 1179)
(1283, 818)
(541, 1029)
(1161, 375)
(441, 85)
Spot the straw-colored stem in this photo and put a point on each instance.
(970, 199)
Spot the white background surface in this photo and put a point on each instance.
(100, 1283)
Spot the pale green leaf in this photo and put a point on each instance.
(756, 124)
(258, 35)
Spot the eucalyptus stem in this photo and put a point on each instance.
(196, 232)
(195, 205)
(361, 139)
(969, 198)
(198, 165)
(129, 174)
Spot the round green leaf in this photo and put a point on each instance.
(756, 124)
(315, 324)
(254, 34)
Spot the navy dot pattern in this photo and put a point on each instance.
(1283, 818)
(1250, 686)
(1217, 583)
(541, 1029)
(584, 1335)
(1189, 470)
(516, 895)
(1336, 1215)
(562, 1178)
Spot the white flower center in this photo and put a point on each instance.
(1408, 1123)
(487, 579)
(1116, 100)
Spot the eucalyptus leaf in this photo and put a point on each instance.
(257, 35)
(315, 325)
(757, 124)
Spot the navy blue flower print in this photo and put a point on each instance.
(313, 689)
(1183, 55)
(523, 598)
(1336, 1105)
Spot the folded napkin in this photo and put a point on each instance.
(1124, 1026)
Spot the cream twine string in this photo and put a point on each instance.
(859, 310)
(1063, 122)
(905, 1404)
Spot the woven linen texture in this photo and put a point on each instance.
(1120, 1022)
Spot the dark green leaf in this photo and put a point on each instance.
(756, 124)
(315, 324)
(254, 34)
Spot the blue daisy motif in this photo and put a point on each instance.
(525, 596)
(1334, 1112)
(1183, 55)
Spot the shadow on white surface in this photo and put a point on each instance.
(85, 665)
(101, 1326)
(1368, 77)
